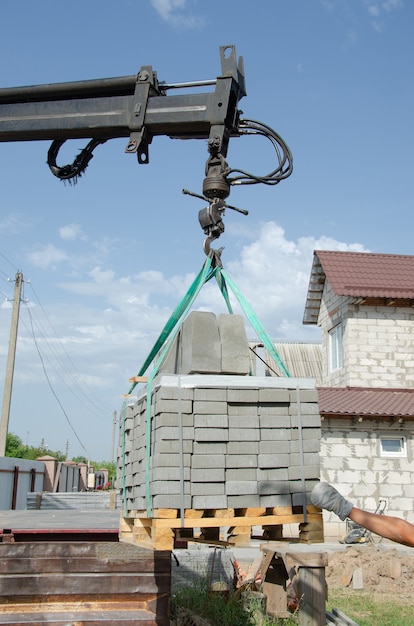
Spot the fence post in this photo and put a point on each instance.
(15, 485)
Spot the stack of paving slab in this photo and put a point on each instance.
(219, 437)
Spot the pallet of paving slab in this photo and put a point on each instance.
(222, 526)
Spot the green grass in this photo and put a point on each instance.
(233, 610)
(367, 611)
(222, 610)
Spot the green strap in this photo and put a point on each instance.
(180, 312)
(176, 315)
(123, 476)
(165, 341)
(255, 322)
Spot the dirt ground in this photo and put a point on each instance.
(384, 570)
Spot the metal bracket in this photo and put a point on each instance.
(139, 138)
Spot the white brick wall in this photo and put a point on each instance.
(378, 343)
(351, 461)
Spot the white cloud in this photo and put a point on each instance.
(70, 232)
(273, 274)
(47, 257)
(379, 10)
(172, 11)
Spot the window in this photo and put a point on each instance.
(335, 347)
(393, 447)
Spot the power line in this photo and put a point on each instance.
(52, 390)
(86, 394)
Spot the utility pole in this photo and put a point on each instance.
(8, 382)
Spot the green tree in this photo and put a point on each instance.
(16, 449)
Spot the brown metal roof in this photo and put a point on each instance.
(359, 274)
(365, 402)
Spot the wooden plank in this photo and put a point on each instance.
(267, 520)
(86, 583)
(68, 584)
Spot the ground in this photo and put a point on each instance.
(387, 572)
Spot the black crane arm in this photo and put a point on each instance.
(140, 108)
(131, 106)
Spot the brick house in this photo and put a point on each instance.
(364, 305)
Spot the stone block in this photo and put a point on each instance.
(305, 395)
(241, 460)
(208, 461)
(243, 501)
(173, 419)
(311, 458)
(274, 396)
(200, 344)
(209, 502)
(207, 489)
(172, 406)
(308, 471)
(163, 433)
(173, 393)
(306, 433)
(241, 487)
(306, 408)
(243, 396)
(172, 460)
(212, 394)
(168, 473)
(276, 434)
(210, 447)
(243, 447)
(276, 410)
(213, 475)
(269, 419)
(211, 434)
(244, 434)
(171, 446)
(307, 420)
(242, 410)
(270, 487)
(209, 407)
(235, 354)
(241, 473)
(169, 487)
(171, 501)
(308, 445)
(272, 460)
(275, 500)
(273, 447)
(244, 421)
(211, 421)
(276, 474)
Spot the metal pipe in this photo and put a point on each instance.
(196, 83)
(69, 91)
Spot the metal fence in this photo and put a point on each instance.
(17, 478)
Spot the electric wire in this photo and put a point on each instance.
(52, 348)
(52, 389)
(96, 404)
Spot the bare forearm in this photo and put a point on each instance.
(386, 526)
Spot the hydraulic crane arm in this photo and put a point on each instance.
(132, 106)
(140, 108)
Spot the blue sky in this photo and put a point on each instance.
(108, 259)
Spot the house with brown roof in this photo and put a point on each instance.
(364, 305)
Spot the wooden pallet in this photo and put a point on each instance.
(224, 526)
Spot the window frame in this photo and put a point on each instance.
(336, 353)
(388, 454)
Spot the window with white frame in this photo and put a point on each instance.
(335, 347)
(393, 447)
